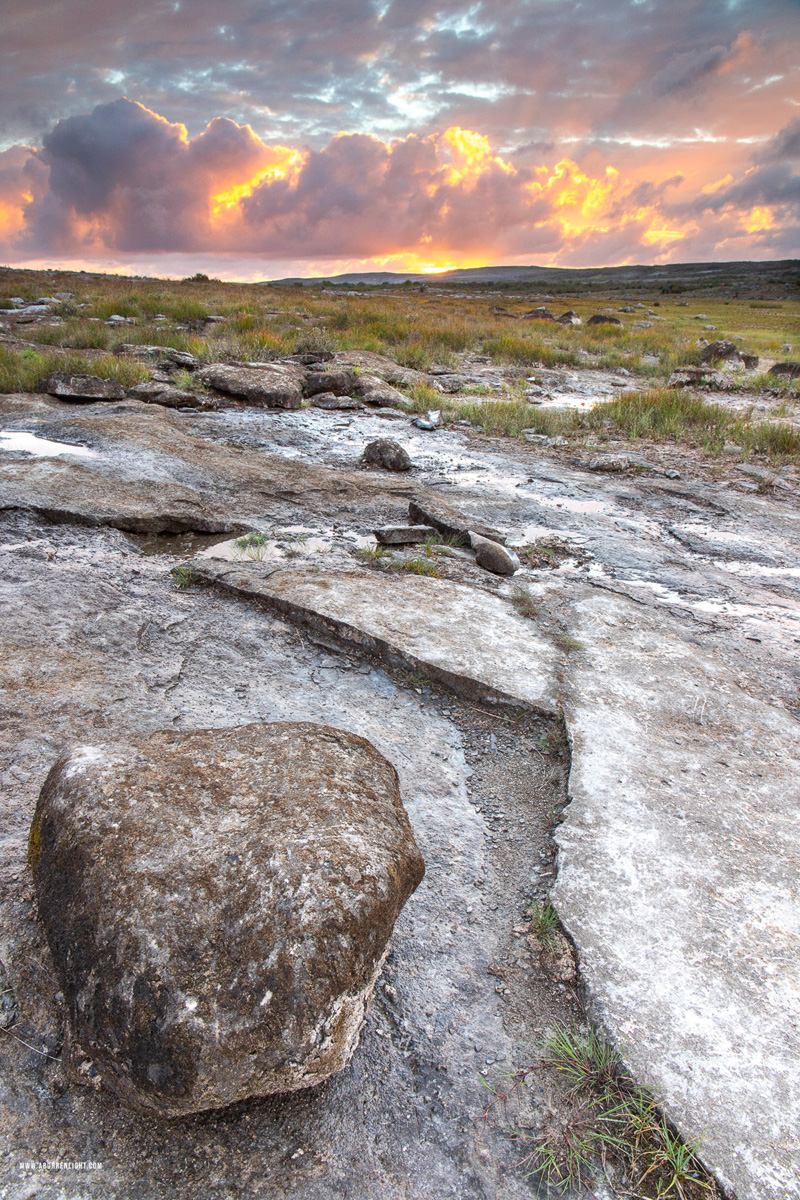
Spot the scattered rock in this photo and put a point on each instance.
(309, 358)
(376, 392)
(603, 319)
(385, 453)
(450, 383)
(218, 904)
(492, 556)
(431, 420)
(610, 462)
(642, 324)
(721, 351)
(273, 385)
(449, 521)
(538, 314)
(331, 402)
(154, 392)
(403, 535)
(179, 358)
(341, 383)
(80, 389)
(789, 369)
(750, 361)
(569, 318)
(557, 959)
(705, 377)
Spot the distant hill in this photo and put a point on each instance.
(784, 274)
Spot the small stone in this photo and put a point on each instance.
(387, 454)
(403, 535)
(492, 556)
(557, 959)
(80, 389)
(610, 462)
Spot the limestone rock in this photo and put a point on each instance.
(376, 392)
(80, 389)
(603, 319)
(403, 535)
(789, 369)
(492, 556)
(721, 351)
(273, 385)
(610, 462)
(385, 453)
(706, 377)
(341, 383)
(449, 520)
(153, 392)
(331, 402)
(218, 905)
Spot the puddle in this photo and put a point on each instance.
(290, 541)
(179, 545)
(29, 443)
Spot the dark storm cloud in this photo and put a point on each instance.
(786, 145)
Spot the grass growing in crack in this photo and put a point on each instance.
(524, 602)
(567, 642)
(416, 566)
(373, 556)
(544, 920)
(609, 1119)
(185, 577)
(253, 545)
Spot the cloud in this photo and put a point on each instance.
(785, 145)
(123, 182)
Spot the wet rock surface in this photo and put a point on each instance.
(218, 905)
(675, 618)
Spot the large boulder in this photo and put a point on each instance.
(164, 394)
(492, 556)
(789, 369)
(603, 319)
(375, 391)
(218, 904)
(80, 389)
(273, 385)
(722, 351)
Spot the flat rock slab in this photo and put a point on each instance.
(218, 904)
(678, 872)
(470, 640)
(148, 474)
(678, 854)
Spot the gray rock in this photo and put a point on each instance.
(331, 402)
(180, 358)
(154, 392)
(706, 377)
(449, 520)
(9, 1009)
(385, 453)
(603, 319)
(790, 369)
(642, 324)
(750, 361)
(492, 556)
(81, 389)
(377, 392)
(403, 535)
(610, 462)
(218, 905)
(341, 383)
(569, 318)
(273, 385)
(450, 383)
(538, 314)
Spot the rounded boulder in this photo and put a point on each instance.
(218, 904)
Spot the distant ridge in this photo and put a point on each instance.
(783, 271)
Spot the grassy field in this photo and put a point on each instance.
(420, 328)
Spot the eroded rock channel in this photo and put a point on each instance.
(659, 620)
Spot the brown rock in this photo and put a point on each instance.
(789, 369)
(603, 319)
(218, 904)
(492, 556)
(721, 352)
(273, 385)
(341, 383)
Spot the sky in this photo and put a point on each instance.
(254, 139)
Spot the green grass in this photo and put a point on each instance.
(608, 1119)
(524, 602)
(21, 370)
(416, 566)
(544, 920)
(185, 577)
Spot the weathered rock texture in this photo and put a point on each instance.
(492, 556)
(218, 904)
(81, 389)
(273, 385)
(387, 454)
